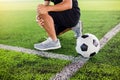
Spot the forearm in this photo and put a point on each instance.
(65, 5)
(46, 3)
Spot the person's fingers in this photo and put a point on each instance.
(39, 19)
(40, 22)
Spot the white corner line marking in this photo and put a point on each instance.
(69, 70)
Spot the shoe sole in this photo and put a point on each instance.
(52, 48)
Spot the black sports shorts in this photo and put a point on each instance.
(65, 19)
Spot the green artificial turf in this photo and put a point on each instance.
(105, 65)
(19, 28)
(21, 66)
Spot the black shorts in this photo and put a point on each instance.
(65, 19)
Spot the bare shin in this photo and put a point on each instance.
(49, 26)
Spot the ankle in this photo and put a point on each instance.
(54, 39)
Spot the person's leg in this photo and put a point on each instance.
(58, 19)
(65, 21)
(49, 26)
(77, 29)
(52, 42)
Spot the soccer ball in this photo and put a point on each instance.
(87, 45)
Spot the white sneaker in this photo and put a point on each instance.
(48, 44)
(78, 29)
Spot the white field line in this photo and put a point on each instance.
(72, 68)
(109, 35)
(41, 53)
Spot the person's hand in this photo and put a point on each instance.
(39, 20)
(42, 9)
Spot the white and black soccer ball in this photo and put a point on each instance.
(87, 45)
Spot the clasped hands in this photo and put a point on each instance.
(41, 9)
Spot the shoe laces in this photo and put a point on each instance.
(47, 41)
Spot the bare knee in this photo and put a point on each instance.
(45, 20)
(41, 18)
(44, 16)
